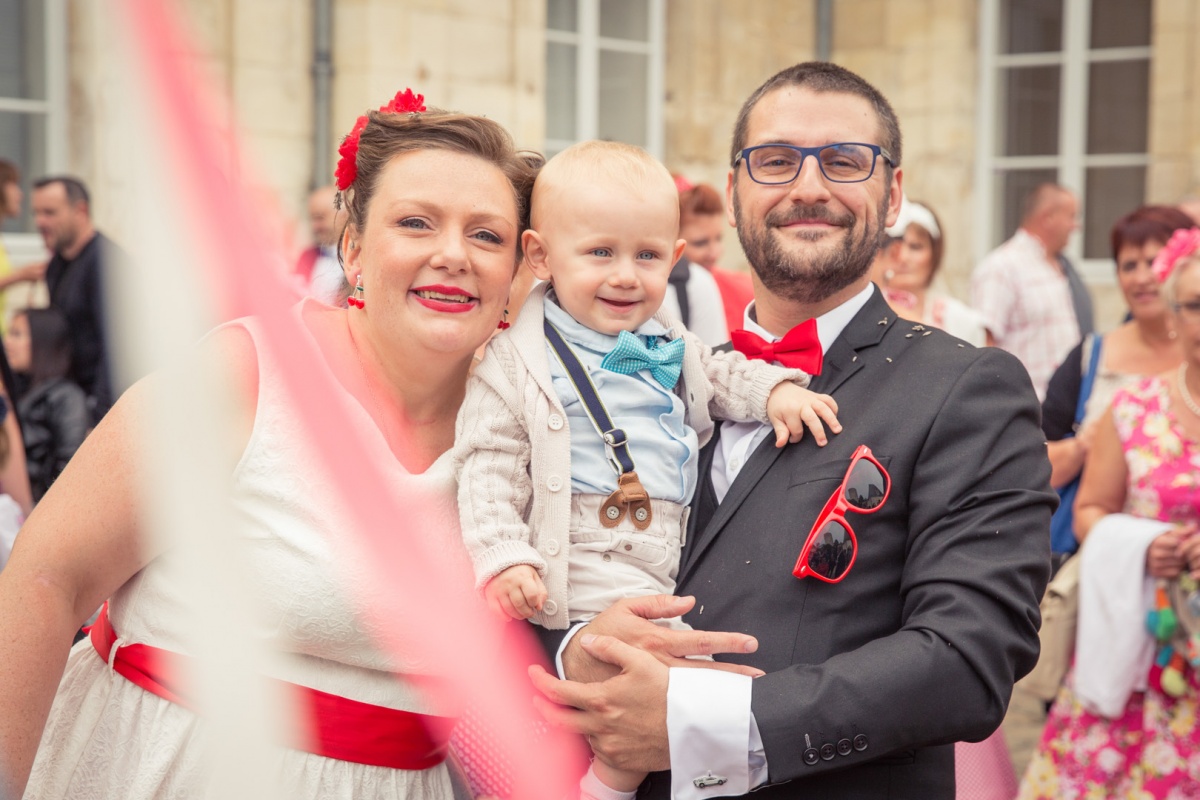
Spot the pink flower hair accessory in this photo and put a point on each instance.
(405, 102)
(1183, 243)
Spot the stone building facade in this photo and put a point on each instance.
(929, 57)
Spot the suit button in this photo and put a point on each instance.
(552, 547)
(555, 422)
(811, 757)
(550, 608)
(844, 747)
(828, 751)
(860, 743)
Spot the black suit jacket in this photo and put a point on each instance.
(919, 646)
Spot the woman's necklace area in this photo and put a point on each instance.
(1188, 400)
(376, 409)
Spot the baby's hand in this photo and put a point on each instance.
(791, 408)
(516, 592)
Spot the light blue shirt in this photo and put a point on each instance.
(664, 449)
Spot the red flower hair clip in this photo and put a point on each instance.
(1183, 243)
(347, 167)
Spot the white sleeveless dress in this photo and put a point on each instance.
(108, 738)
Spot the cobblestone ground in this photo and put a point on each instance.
(1023, 728)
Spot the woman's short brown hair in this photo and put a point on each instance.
(388, 135)
(1148, 224)
(699, 200)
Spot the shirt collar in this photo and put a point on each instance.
(576, 332)
(1033, 244)
(829, 325)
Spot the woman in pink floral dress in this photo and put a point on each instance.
(1145, 461)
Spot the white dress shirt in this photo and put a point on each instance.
(710, 726)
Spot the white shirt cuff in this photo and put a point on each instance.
(558, 665)
(716, 748)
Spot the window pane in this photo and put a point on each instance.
(23, 142)
(560, 90)
(1031, 26)
(625, 19)
(562, 15)
(1029, 111)
(1120, 23)
(623, 97)
(1111, 193)
(1013, 187)
(1118, 100)
(22, 49)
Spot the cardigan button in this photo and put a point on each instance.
(550, 608)
(554, 483)
(555, 422)
(552, 547)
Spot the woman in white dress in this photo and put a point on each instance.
(437, 203)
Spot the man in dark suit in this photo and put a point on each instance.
(868, 681)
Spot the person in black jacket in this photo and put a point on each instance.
(53, 411)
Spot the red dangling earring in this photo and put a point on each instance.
(504, 323)
(355, 300)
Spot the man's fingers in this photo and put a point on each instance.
(560, 692)
(707, 643)
(720, 666)
(659, 606)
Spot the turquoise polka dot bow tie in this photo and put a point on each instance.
(631, 354)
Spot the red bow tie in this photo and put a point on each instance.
(799, 348)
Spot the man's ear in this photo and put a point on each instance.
(894, 197)
(535, 254)
(729, 215)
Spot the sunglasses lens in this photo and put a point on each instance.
(866, 486)
(831, 552)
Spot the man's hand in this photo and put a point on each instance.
(629, 620)
(625, 717)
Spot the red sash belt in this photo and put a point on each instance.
(339, 727)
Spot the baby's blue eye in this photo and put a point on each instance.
(602, 252)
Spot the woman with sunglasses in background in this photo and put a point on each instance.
(1128, 728)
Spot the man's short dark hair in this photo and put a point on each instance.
(76, 191)
(821, 76)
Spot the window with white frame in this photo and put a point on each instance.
(604, 72)
(1066, 92)
(32, 93)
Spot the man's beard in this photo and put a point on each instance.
(818, 277)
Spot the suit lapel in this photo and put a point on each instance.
(865, 330)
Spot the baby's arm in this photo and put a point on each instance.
(746, 390)
(491, 458)
(516, 592)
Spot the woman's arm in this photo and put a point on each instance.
(1066, 459)
(1102, 488)
(78, 547)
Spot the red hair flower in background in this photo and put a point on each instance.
(405, 102)
(1183, 243)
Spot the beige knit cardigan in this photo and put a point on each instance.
(513, 448)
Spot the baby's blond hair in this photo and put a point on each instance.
(588, 162)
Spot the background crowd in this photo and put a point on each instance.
(1119, 414)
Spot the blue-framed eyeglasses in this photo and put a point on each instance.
(841, 162)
